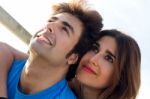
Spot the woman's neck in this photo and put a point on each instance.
(85, 92)
(89, 93)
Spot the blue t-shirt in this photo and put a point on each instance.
(60, 90)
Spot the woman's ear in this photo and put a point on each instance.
(72, 59)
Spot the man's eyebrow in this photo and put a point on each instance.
(68, 25)
(64, 23)
(53, 18)
(110, 53)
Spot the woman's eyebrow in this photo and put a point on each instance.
(110, 53)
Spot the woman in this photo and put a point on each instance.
(110, 70)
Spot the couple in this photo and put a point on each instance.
(107, 62)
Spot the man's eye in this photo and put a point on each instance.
(50, 20)
(109, 58)
(66, 30)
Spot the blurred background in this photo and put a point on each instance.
(130, 16)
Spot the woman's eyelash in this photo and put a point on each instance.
(95, 48)
(109, 58)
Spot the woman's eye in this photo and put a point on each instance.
(95, 49)
(109, 58)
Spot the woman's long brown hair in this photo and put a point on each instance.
(126, 77)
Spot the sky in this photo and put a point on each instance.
(129, 16)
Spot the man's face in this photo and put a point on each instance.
(57, 38)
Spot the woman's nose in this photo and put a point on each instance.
(94, 60)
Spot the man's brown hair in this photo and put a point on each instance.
(92, 24)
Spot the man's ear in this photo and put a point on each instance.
(72, 59)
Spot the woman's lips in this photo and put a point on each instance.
(88, 69)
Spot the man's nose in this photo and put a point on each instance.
(50, 27)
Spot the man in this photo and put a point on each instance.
(67, 34)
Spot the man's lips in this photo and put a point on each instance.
(45, 39)
(88, 69)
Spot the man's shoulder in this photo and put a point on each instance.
(13, 76)
(16, 68)
(17, 64)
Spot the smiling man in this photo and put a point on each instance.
(67, 35)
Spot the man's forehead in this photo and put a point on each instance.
(70, 19)
(65, 17)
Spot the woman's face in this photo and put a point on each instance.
(96, 67)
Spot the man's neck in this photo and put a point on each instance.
(38, 75)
